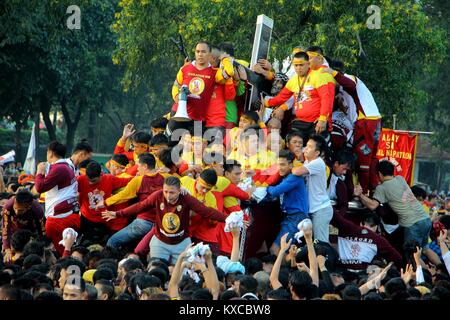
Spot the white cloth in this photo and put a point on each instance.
(259, 193)
(305, 224)
(235, 219)
(246, 184)
(317, 185)
(419, 275)
(192, 274)
(66, 233)
(196, 253)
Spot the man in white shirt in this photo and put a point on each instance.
(314, 169)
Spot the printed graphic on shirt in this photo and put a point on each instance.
(356, 249)
(171, 222)
(196, 86)
(96, 199)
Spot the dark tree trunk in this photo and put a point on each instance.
(92, 125)
(71, 125)
(18, 142)
(45, 110)
(36, 133)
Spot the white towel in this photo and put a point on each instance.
(303, 225)
(259, 194)
(196, 253)
(235, 219)
(65, 234)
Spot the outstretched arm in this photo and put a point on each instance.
(274, 281)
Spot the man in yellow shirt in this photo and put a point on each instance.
(252, 153)
(201, 229)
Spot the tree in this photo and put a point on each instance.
(385, 58)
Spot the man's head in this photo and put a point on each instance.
(202, 53)
(118, 163)
(166, 158)
(214, 160)
(55, 151)
(75, 288)
(247, 119)
(315, 54)
(344, 161)
(146, 163)
(105, 290)
(371, 221)
(301, 63)
(247, 284)
(140, 141)
(206, 181)
(419, 193)
(215, 56)
(171, 189)
(278, 83)
(158, 143)
(233, 171)
(70, 267)
(315, 147)
(227, 47)
(300, 285)
(81, 152)
(22, 201)
(385, 170)
(251, 139)
(93, 172)
(285, 162)
(294, 142)
(158, 125)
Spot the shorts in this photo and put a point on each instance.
(419, 231)
(289, 225)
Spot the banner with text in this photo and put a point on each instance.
(400, 149)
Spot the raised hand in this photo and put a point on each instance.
(407, 274)
(284, 245)
(128, 131)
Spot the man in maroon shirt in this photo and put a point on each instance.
(20, 212)
(172, 218)
(61, 193)
(359, 245)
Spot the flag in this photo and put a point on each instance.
(30, 162)
(7, 157)
(400, 149)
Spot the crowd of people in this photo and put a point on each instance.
(238, 200)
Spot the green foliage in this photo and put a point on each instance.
(394, 60)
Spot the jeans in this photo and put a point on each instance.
(159, 249)
(419, 231)
(134, 231)
(321, 223)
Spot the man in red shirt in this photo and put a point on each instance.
(20, 212)
(199, 77)
(60, 185)
(93, 189)
(216, 111)
(172, 218)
